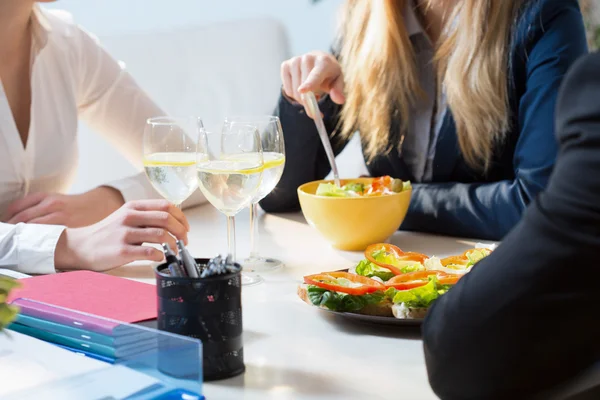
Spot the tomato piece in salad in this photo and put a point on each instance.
(344, 282)
(380, 186)
(383, 185)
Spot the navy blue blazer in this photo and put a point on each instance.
(524, 322)
(549, 36)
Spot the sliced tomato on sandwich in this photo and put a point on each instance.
(420, 278)
(465, 260)
(345, 282)
(391, 257)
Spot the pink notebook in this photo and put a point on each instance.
(93, 293)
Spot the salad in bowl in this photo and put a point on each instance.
(359, 212)
(381, 186)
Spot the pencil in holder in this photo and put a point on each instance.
(209, 309)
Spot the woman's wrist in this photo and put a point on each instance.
(109, 195)
(99, 203)
(65, 255)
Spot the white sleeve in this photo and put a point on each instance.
(113, 104)
(109, 100)
(29, 248)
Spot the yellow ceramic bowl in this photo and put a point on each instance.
(353, 223)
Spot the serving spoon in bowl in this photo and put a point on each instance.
(311, 103)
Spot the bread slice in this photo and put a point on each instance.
(401, 311)
(384, 309)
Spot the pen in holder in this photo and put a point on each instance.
(209, 309)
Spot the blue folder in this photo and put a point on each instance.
(78, 333)
(172, 364)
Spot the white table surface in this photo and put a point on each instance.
(294, 351)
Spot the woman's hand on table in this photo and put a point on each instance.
(72, 211)
(117, 239)
(316, 72)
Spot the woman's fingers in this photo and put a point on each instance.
(23, 204)
(179, 216)
(313, 72)
(141, 253)
(54, 218)
(157, 219)
(337, 91)
(161, 205)
(313, 80)
(307, 68)
(296, 78)
(286, 79)
(39, 210)
(137, 236)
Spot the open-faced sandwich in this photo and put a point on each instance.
(389, 282)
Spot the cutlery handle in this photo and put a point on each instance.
(311, 103)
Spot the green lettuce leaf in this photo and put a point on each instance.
(412, 268)
(368, 269)
(340, 301)
(355, 187)
(421, 297)
(330, 190)
(382, 256)
(476, 255)
(345, 282)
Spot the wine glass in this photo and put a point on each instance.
(170, 156)
(271, 135)
(230, 168)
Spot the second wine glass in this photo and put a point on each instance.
(271, 137)
(230, 168)
(170, 156)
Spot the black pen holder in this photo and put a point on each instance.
(209, 309)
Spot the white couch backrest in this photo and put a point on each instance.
(210, 71)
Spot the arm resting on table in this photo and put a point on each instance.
(29, 248)
(525, 319)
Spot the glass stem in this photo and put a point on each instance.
(254, 232)
(231, 236)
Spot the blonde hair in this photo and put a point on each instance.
(590, 10)
(471, 58)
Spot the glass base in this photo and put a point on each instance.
(262, 265)
(251, 279)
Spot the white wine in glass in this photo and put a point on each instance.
(230, 185)
(230, 168)
(173, 175)
(271, 137)
(170, 156)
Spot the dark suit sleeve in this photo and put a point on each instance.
(526, 318)
(305, 156)
(491, 210)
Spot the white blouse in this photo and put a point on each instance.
(72, 76)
